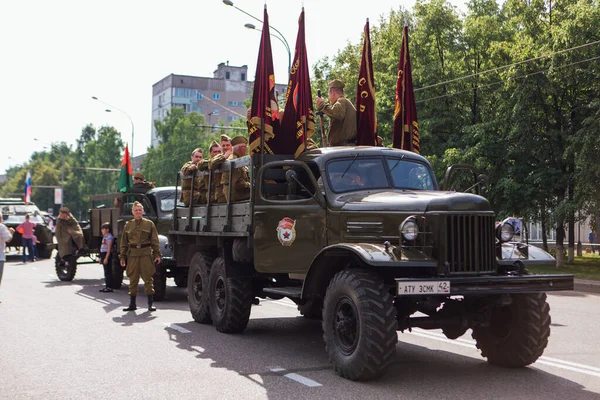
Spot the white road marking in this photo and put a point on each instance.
(552, 362)
(177, 328)
(297, 377)
(113, 301)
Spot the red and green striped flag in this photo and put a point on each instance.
(125, 180)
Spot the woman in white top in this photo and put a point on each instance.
(5, 236)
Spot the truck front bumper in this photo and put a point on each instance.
(485, 285)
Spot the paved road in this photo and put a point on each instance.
(65, 340)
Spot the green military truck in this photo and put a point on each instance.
(364, 239)
(116, 208)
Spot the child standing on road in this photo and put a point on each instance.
(106, 256)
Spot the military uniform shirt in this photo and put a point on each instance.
(216, 186)
(199, 184)
(342, 122)
(139, 238)
(241, 182)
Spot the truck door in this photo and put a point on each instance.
(289, 218)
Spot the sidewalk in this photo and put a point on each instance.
(587, 285)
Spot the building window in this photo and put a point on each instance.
(216, 96)
(243, 76)
(199, 96)
(227, 75)
(186, 107)
(215, 111)
(232, 118)
(235, 103)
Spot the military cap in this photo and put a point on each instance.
(64, 210)
(213, 144)
(239, 140)
(225, 138)
(336, 84)
(139, 175)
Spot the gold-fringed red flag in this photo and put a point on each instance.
(406, 127)
(298, 123)
(366, 119)
(264, 114)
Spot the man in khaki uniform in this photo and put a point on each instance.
(214, 162)
(342, 116)
(139, 247)
(67, 232)
(188, 169)
(239, 176)
(140, 184)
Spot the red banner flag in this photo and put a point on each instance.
(264, 114)
(125, 180)
(406, 127)
(299, 118)
(366, 118)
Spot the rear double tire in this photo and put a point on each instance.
(230, 299)
(359, 325)
(517, 333)
(66, 267)
(197, 284)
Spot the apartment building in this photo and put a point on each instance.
(220, 98)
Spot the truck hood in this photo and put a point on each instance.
(410, 201)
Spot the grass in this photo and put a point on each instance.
(584, 267)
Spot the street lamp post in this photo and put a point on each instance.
(281, 39)
(127, 115)
(285, 43)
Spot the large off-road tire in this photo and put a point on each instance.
(518, 333)
(241, 252)
(312, 309)
(359, 325)
(181, 280)
(230, 299)
(44, 250)
(117, 273)
(160, 284)
(65, 268)
(197, 283)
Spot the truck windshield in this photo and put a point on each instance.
(370, 173)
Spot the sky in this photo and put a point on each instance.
(57, 54)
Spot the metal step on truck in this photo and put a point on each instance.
(364, 239)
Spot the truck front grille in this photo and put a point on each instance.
(470, 244)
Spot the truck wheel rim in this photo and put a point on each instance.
(345, 325)
(198, 287)
(220, 293)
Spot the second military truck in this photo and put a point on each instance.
(364, 239)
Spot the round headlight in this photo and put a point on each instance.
(409, 229)
(506, 232)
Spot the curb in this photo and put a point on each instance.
(587, 285)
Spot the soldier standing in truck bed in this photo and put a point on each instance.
(218, 196)
(342, 115)
(239, 176)
(139, 247)
(199, 190)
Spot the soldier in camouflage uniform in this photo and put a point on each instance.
(139, 247)
(218, 196)
(239, 176)
(67, 231)
(199, 190)
(342, 116)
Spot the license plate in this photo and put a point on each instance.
(410, 288)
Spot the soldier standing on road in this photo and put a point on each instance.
(138, 248)
(67, 232)
(342, 115)
(188, 169)
(239, 176)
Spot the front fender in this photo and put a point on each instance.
(334, 258)
(165, 249)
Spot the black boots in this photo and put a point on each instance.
(150, 301)
(132, 306)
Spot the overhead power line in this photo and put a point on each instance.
(509, 65)
(508, 79)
